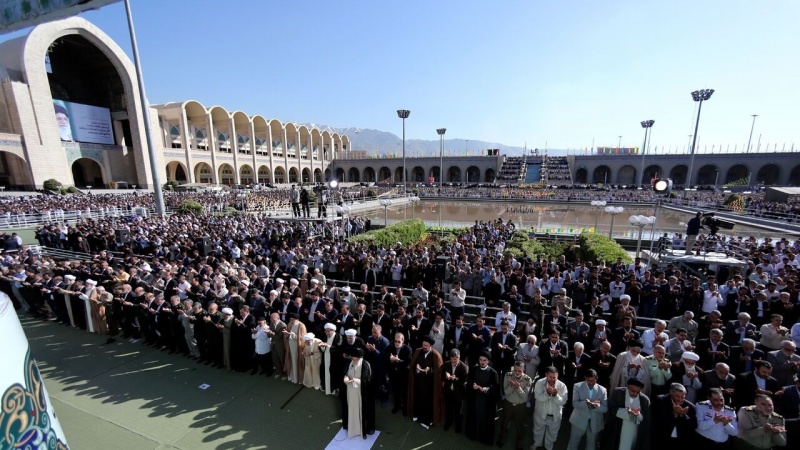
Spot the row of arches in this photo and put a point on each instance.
(707, 175)
(225, 174)
(417, 174)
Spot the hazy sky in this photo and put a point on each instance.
(561, 72)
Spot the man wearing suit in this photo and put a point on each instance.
(721, 379)
(622, 335)
(456, 337)
(553, 352)
(363, 321)
(454, 377)
(759, 381)
(590, 404)
(381, 318)
(503, 347)
(370, 277)
(712, 350)
(738, 330)
(555, 321)
(276, 327)
(674, 418)
(604, 362)
(398, 357)
(345, 321)
(785, 363)
(742, 358)
(678, 345)
(418, 328)
(577, 364)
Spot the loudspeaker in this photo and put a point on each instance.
(123, 236)
(203, 245)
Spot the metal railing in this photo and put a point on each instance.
(27, 220)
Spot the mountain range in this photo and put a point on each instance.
(382, 143)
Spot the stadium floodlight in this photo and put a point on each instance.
(646, 124)
(663, 186)
(698, 96)
(333, 184)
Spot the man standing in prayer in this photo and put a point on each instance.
(358, 409)
(551, 395)
(312, 356)
(331, 362)
(276, 328)
(483, 391)
(516, 391)
(631, 364)
(293, 340)
(590, 404)
(628, 419)
(425, 402)
(263, 351)
(454, 376)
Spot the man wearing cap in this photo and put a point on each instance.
(631, 364)
(263, 350)
(331, 364)
(358, 405)
(674, 417)
(89, 296)
(312, 358)
(454, 377)
(425, 401)
(590, 404)
(689, 374)
(483, 391)
(293, 341)
(628, 418)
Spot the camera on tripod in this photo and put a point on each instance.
(714, 224)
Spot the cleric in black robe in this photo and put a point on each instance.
(242, 344)
(367, 405)
(482, 391)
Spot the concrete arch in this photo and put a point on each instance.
(292, 142)
(707, 175)
(398, 175)
(280, 175)
(304, 143)
(435, 173)
(242, 138)
(203, 173)
(626, 175)
(794, 176)
(581, 175)
(650, 172)
(340, 174)
(293, 175)
(327, 174)
(369, 175)
(678, 174)
(336, 146)
(226, 174)
(327, 142)
(737, 173)
(316, 143)
(261, 138)
(86, 172)
(490, 175)
(277, 146)
(318, 176)
(453, 175)
(384, 175)
(353, 176)
(418, 175)
(197, 121)
(15, 172)
(176, 171)
(769, 175)
(264, 175)
(473, 174)
(221, 124)
(246, 175)
(306, 175)
(602, 174)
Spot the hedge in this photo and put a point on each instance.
(405, 232)
(521, 245)
(190, 206)
(597, 247)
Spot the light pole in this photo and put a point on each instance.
(441, 132)
(619, 143)
(613, 210)
(641, 222)
(403, 114)
(646, 124)
(601, 204)
(699, 96)
(386, 203)
(716, 178)
(751, 132)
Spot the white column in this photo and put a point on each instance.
(187, 139)
(235, 149)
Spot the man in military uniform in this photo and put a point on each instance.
(716, 422)
(516, 390)
(660, 370)
(760, 427)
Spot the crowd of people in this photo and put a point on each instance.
(512, 170)
(556, 169)
(460, 334)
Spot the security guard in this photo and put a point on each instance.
(760, 427)
(716, 422)
(516, 388)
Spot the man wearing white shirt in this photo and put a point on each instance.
(654, 336)
(616, 289)
(551, 396)
(263, 354)
(712, 299)
(506, 315)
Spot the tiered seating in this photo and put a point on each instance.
(513, 170)
(555, 170)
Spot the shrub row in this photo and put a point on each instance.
(405, 232)
(597, 247)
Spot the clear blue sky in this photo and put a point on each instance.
(561, 72)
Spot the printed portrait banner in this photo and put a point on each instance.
(83, 123)
(27, 417)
